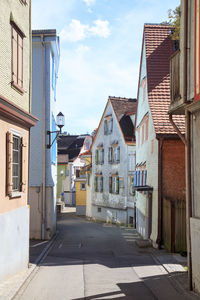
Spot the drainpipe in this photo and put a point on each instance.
(188, 146)
(44, 148)
(159, 236)
(177, 129)
(189, 197)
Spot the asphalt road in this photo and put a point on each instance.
(98, 261)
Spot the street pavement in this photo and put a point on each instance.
(99, 261)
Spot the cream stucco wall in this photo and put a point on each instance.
(7, 203)
(146, 153)
(20, 15)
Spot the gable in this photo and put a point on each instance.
(143, 105)
(108, 116)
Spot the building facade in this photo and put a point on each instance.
(81, 182)
(69, 147)
(185, 100)
(159, 177)
(43, 160)
(15, 124)
(113, 163)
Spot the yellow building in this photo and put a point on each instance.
(15, 124)
(81, 184)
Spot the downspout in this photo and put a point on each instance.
(159, 236)
(177, 129)
(189, 197)
(44, 148)
(188, 146)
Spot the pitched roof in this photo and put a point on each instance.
(71, 145)
(159, 48)
(122, 108)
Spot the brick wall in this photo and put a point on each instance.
(173, 160)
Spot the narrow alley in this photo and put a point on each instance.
(102, 261)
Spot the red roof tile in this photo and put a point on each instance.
(159, 48)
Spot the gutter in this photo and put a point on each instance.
(43, 225)
(159, 236)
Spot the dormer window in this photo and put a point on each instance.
(108, 125)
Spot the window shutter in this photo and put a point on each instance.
(111, 125)
(105, 127)
(102, 184)
(118, 154)
(9, 159)
(117, 185)
(135, 178)
(138, 178)
(145, 177)
(20, 61)
(141, 178)
(23, 166)
(14, 55)
(110, 184)
(96, 157)
(110, 154)
(102, 156)
(95, 184)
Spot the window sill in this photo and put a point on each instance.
(15, 195)
(17, 87)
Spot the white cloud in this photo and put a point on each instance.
(101, 28)
(77, 31)
(89, 2)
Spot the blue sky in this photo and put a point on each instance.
(100, 43)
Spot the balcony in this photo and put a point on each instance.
(177, 102)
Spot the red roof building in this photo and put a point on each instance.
(160, 167)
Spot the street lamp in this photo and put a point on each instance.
(60, 122)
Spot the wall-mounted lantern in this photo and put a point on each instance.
(60, 122)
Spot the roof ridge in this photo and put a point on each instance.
(121, 98)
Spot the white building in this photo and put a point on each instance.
(113, 163)
(43, 159)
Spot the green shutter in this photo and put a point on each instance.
(96, 157)
(95, 184)
(117, 185)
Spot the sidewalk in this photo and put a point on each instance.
(37, 250)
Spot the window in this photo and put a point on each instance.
(83, 187)
(17, 57)
(140, 178)
(99, 156)
(77, 173)
(114, 184)
(131, 186)
(98, 184)
(143, 86)
(15, 164)
(105, 127)
(114, 154)
(99, 209)
(108, 125)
